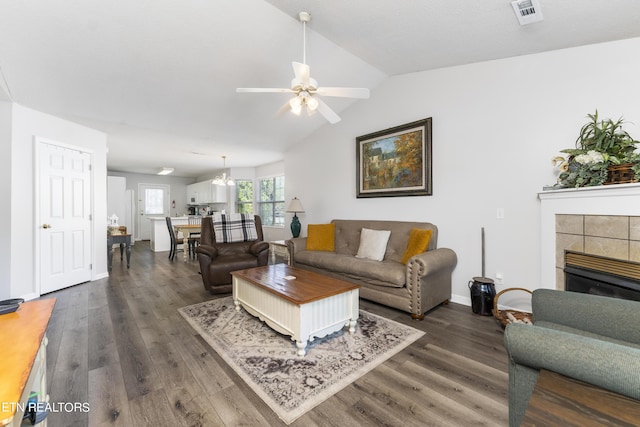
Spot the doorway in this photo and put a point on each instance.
(63, 190)
(153, 202)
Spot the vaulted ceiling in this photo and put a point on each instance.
(159, 76)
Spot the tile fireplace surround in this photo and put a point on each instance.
(601, 220)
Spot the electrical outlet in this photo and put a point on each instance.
(499, 278)
(500, 213)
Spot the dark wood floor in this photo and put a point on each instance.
(120, 345)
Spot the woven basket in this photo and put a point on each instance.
(503, 315)
(620, 174)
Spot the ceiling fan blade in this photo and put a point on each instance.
(327, 112)
(262, 89)
(302, 72)
(344, 92)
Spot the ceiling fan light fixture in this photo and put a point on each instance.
(306, 88)
(312, 103)
(296, 105)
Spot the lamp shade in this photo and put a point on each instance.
(295, 206)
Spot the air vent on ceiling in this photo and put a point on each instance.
(527, 11)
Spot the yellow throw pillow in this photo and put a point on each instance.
(418, 243)
(321, 237)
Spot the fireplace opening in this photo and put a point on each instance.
(602, 276)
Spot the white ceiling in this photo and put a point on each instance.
(159, 76)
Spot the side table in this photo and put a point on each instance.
(278, 247)
(124, 240)
(23, 364)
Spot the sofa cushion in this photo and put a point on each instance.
(373, 244)
(417, 244)
(321, 237)
(384, 273)
(348, 235)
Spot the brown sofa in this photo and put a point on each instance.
(423, 283)
(218, 260)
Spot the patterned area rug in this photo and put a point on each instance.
(267, 360)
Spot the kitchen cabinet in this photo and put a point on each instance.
(192, 194)
(203, 193)
(219, 194)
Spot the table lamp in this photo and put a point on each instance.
(295, 206)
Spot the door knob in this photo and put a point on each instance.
(46, 226)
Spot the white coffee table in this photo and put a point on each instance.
(296, 302)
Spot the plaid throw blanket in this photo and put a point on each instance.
(234, 228)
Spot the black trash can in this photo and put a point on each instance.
(483, 291)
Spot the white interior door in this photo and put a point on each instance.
(153, 201)
(65, 215)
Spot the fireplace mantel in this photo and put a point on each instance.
(620, 199)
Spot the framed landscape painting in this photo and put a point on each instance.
(395, 161)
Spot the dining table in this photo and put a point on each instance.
(188, 231)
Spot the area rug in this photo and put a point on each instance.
(267, 361)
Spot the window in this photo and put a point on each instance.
(244, 196)
(153, 201)
(271, 201)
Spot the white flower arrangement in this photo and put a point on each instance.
(589, 158)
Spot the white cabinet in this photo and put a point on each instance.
(192, 194)
(219, 193)
(203, 193)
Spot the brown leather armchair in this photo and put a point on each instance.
(218, 260)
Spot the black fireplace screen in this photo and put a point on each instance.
(579, 279)
(599, 279)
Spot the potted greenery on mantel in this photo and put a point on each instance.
(604, 154)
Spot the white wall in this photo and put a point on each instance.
(496, 126)
(177, 188)
(26, 124)
(5, 194)
(116, 193)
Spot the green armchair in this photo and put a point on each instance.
(591, 338)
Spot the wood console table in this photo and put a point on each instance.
(23, 358)
(561, 401)
(124, 240)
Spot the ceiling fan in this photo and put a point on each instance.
(306, 90)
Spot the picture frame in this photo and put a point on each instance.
(395, 161)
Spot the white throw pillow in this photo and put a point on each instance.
(373, 244)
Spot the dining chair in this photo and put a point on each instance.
(194, 238)
(175, 240)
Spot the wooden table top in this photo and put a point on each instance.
(188, 226)
(305, 287)
(21, 333)
(561, 401)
